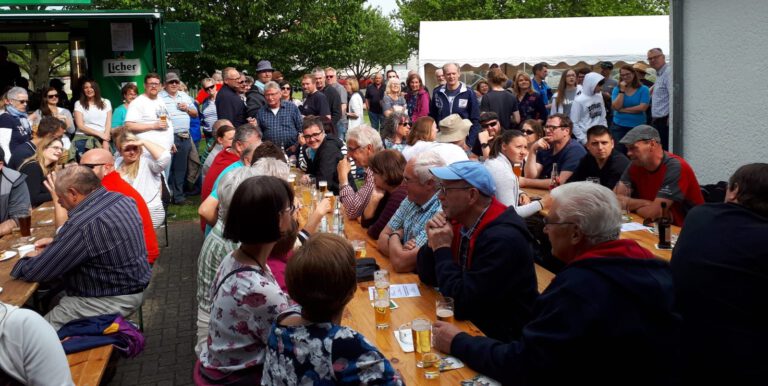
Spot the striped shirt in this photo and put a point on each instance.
(355, 202)
(179, 118)
(98, 252)
(412, 219)
(661, 91)
(281, 128)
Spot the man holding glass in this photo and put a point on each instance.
(479, 253)
(14, 197)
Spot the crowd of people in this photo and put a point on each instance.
(439, 181)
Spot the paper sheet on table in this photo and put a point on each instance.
(632, 226)
(397, 291)
(405, 339)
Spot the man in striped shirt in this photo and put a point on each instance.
(99, 253)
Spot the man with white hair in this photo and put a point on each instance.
(363, 142)
(607, 318)
(406, 233)
(15, 129)
(279, 120)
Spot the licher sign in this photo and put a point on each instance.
(122, 67)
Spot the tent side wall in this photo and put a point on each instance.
(724, 100)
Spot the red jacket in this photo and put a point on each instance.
(222, 160)
(114, 183)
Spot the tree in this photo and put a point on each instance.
(379, 44)
(412, 12)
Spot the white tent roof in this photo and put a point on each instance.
(554, 40)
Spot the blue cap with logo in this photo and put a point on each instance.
(471, 171)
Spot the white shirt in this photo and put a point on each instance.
(30, 350)
(145, 110)
(449, 152)
(508, 187)
(94, 117)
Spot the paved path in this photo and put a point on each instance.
(170, 311)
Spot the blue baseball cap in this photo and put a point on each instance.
(471, 171)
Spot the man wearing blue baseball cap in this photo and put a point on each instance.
(479, 253)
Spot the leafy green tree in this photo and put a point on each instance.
(411, 12)
(379, 44)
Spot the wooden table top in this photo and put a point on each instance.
(359, 315)
(87, 367)
(17, 292)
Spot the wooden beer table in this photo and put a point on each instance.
(87, 366)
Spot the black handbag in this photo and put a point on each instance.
(365, 268)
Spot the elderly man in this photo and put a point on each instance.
(557, 147)
(455, 97)
(15, 129)
(602, 161)
(229, 105)
(145, 115)
(14, 197)
(48, 128)
(720, 281)
(440, 77)
(374, 93)
(363, 143)
(479, 253)
(180, 107)
(103, 165)
(406, 233)
(332, 80)
(333, 97)
(607, 318)
(657, 176)
(99, 253)
(660, 94)
(315, 102)
(279, 120)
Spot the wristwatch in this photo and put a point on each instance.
(484, 145)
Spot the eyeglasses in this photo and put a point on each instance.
(153, 84)
(131, 149)
(547, 221)
(307, 137)
(286, 88)
(172, 82)
(330, 76)
(241, 82)
(22, 101)
(52, 96)
(528, 132)
(442, 188)
(650, 58)
(406, 123)
(553, 128)
(489, 124)
(210, 87)
(91, 166)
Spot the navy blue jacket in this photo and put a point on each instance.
(230, 106)
(465, 104)
(720, 267)
(498, 290)
(602, 321)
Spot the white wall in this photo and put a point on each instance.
(725, 87)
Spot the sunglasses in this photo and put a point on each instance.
(285, 88)
(210, 87)
(131, 149)
(52, 96)
(528, 132)
(329, 76)
(489, 124)
(173, 82)
(241, 82)
(406, 123)
(22, 101)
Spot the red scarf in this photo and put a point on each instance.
(494, 210)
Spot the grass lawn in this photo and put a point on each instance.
(185, 212)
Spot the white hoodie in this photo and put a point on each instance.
(588, 109)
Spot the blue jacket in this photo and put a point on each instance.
(605, 319)
(465, 104)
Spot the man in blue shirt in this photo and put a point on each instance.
(557, 147)
(180, 108)
(99, 252)
(539, 85)
(280, 121)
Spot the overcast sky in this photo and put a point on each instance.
(387, 6)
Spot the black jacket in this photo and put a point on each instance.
(254, 99)
(230, 106)
(323, 165)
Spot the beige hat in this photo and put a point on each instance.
(453, 128)
(640, 66)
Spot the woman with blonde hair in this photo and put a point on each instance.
(393, 101)
(529, 102)
(355, 105)
(143, 170)
(39, 166)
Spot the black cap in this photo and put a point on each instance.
(486, 116)
(607, 65)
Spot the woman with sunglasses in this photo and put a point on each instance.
(93, 118)
(532, 130)
(49, 108)
(129, 93)
(39, 166)
(629, 102)
(143, 170)
(208, 109)
(395, 129)
(14, 120)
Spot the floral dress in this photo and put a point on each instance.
(324, 354)
(242, 313)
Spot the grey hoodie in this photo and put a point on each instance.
(14, 196)
(588, 109)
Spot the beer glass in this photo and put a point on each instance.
(381, 308)
(624, 194)
(323, 186)
(421, 333)
(444, 309)
(24, 219)
(359, 247)
(517, 168)
(431, 366)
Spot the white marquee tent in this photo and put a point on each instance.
(554, 40)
